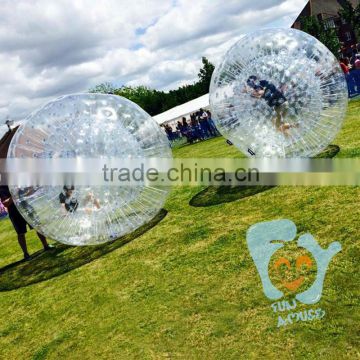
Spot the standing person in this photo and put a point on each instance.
(213, 130)
(187, 130)
(344, 63)
(169, 132)
(18, 222)
(357, 62)
(179, 127)
(355, 74)
(344, 66)
(204, 123)
(184, 128)
(196, 130)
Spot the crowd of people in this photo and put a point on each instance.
(199, 127)
(350, 64)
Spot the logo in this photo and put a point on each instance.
(264, 241)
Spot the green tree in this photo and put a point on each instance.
(205, 74)
(104, 88)
(351, 15)
(316, 28)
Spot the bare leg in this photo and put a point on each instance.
(284, 128)
(97, 203)
(22, 243)
(43, 241)
(281, 112)
(278, 119)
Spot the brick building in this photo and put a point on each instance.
(327, 11)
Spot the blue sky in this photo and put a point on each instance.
(52, 48)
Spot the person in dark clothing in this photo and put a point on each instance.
(196, 130)
(169, 132)
(179, 127)
(274, 97)
(18, 222)
(67, 200)
(204, 124)
(70, 203)
(213, 129)
(186, 130)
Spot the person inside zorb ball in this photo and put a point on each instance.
(279, 93)
(88, 126)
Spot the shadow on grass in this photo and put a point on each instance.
(45, 265)
(216, 195)
(330, 152)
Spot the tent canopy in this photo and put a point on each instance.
(183, 110)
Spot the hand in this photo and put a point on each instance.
(8, 202)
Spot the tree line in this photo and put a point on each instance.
(156, 101)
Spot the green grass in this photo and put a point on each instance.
(215, 195)
(349, 136)
(216, 147)
(187, 287)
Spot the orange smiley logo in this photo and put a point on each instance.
(300, 261)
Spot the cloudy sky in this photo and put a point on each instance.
(51, 48)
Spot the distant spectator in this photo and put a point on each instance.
(179, 125)
(344, 66)
(204, 125)
(169, 132)
(353, 55)
(196, 130)
(213, 130)
(357, 62)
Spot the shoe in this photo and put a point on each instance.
(27, 257)
(49, 247)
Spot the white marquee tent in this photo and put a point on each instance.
(183, 110)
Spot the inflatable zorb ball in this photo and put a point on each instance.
(279, 93)
(88, 126)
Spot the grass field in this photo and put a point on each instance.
(185, 286)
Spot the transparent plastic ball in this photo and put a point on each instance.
(89, 126)
(279, 93)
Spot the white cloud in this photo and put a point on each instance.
(51, 48)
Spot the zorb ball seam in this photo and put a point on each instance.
(279, 93)
(89, 126)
